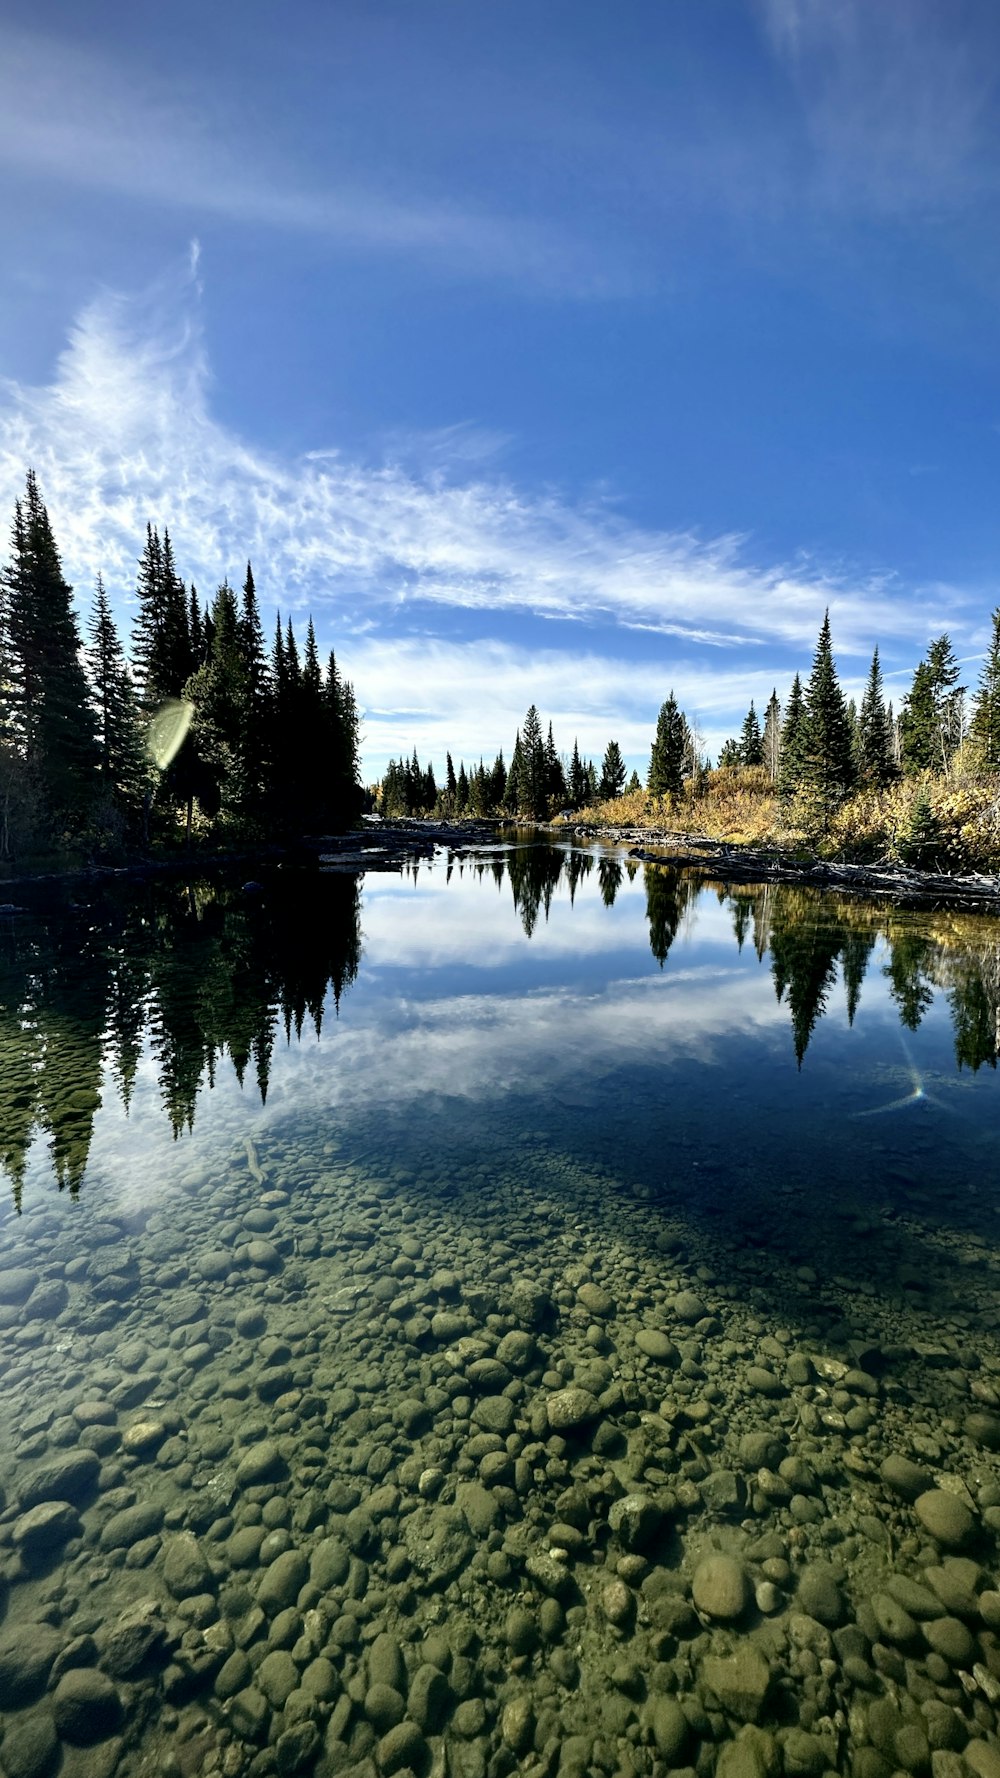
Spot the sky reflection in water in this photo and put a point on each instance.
(671, 1028)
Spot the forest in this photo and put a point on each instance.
(920, 785)
(202, 733)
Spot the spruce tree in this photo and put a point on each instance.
(985, 726)
(730, 757)
(751, 741)
(253, 760)
(50, 720)
(512, 788)
(666, 764)
(532, 798)
(613, 773)
(827, 771)
(771, 740)
(577, 779)
(792, 741)
(931, 720)
(555, 778)
(121, 760)
(873, 740)
(450, 786)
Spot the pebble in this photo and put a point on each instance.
(569, 1409)
(947, 1519)
(86, 1706)
(46, 1527)
(720, 1587)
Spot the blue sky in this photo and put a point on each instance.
(565, 353)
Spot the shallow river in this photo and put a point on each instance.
(536, 1313)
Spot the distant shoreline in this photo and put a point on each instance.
(392, 845)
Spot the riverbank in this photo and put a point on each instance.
(386, 845)
(755, 864)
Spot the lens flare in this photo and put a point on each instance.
(167, 731)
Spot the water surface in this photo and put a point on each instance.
(368, 1243)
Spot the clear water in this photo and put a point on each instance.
(323, 1194)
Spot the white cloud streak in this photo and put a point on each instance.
(71, 114)
(124, 433)
(895, 98)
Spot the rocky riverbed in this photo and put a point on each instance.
(318, 1468)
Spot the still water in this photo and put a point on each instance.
(538, 1312)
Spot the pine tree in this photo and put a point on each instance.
(771, 741)
(462, 790)
(873, 739)
(50, 721)
(931, 720)
(792, 741)
(450, 786)
(751, 743)
(498, 783)
(162, 647)
(531, 798)
(985, 727)
(666, 763)
(512, 788)
(122, 765)
(577, 779)
(555, 778)
(252, 743)
(612, 773)
(730, 757)
(827, 767)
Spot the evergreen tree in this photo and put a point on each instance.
(985, 727)
(612, 773)
(771, 740)
(590, 772)
(730, 757)
(462, 793)
(122, 763)
(498, 784)
(633, 784)
(340, 744)
(666, 763)
(512, 788)
(577, 779)
(792, 750)
(931, 720)
(873, 739)
(827, 770)
(253, 739)
(450, 787)
(531, 797)
(751, 741)
(555, 778)
(218, 690)
(161, 634)
(49, 721)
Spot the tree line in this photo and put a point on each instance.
(203, 727)
(538, 782)
(819, 748)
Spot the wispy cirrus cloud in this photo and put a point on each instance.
(74, 114)
(125, 433)
(896, 99)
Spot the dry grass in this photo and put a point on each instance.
(743, 808)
